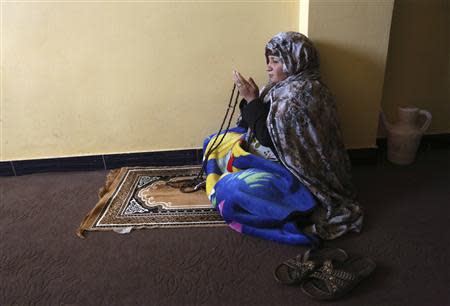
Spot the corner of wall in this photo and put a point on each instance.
(303, 16)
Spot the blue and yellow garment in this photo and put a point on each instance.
(256, 196)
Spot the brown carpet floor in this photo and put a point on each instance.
(42, 262)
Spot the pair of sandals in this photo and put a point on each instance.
(324, 274)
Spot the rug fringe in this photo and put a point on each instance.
(112, 180)
(110, 177)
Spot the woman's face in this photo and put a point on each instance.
(275, 69)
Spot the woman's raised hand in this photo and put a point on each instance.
(247, 88)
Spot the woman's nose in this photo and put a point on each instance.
(269, 68)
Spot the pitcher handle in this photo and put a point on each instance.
(428, 116)
(385, 123)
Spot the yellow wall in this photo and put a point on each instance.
(352, 37)
(417, 71)
(98, 78)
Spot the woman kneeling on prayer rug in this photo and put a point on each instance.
(283, 173)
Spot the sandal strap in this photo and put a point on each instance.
(334, 279)
(301, 269)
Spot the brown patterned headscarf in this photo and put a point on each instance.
(296, 51)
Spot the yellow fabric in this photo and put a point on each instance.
(211, 180)
(227, 143)
(230, 144)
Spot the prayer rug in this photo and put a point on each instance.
(139, 197)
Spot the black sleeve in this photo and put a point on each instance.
(255, 114)
(241, 121)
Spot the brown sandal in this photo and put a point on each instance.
(295, 270)
(335, 279)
